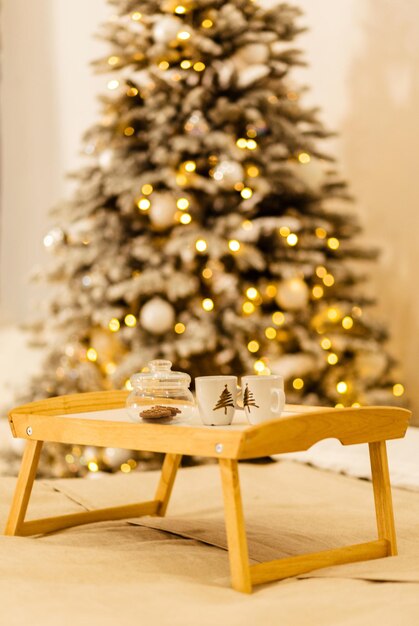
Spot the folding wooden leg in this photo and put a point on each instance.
(17, 526)
(167, 479)
(236, 532)
(382, 495)
(23, 488)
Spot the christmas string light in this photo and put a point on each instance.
(201, 245)
(328, 280)
(318, 292)
(234, 245)
(332, 358)
(130, 320)
(278, 318)
(91, 355)
(270, 332)
(207, 304)
(292, 239)
(333, 243)
(271, 291)
(182, 204)
(321, 233)
(304, 158)
(143, 204)
(347, 322)
(341, 387)
(248, 307)
(246, 193)
(253, 346)
(252, 293)
(398, 390)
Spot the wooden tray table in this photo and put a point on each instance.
(100, 419)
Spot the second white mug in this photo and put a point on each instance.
(263, 397)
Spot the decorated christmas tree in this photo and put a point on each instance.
(208, 226)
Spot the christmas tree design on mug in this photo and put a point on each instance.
(225, 400)
(249, 399)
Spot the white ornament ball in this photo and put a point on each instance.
(252, 54)
(162, 210)
(228, 173)
(293, 294)
(157, 316)
(166, 29)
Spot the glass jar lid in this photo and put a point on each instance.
(160, 375)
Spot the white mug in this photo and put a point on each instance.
(216, 396)
(263, 397)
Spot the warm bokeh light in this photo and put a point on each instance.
(91, 355)
(201, 245)
(333, 243)
(114, 325)
(143, 204)
(185, 218)
(342, 387)
(347, 322)
(207, 304)
(234, 245)
(278, 318)
(398, 390)
(252, 293)
(248, 307)
(182, 204)
(130, 320)
(292, 239)
(304, 157)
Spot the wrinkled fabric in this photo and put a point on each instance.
(175, 570)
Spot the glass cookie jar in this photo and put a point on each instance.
(160, 394)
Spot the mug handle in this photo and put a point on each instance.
(280, 397)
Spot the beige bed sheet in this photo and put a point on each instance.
(175, 570)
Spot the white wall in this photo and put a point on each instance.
(47, 101)
(364, 73)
